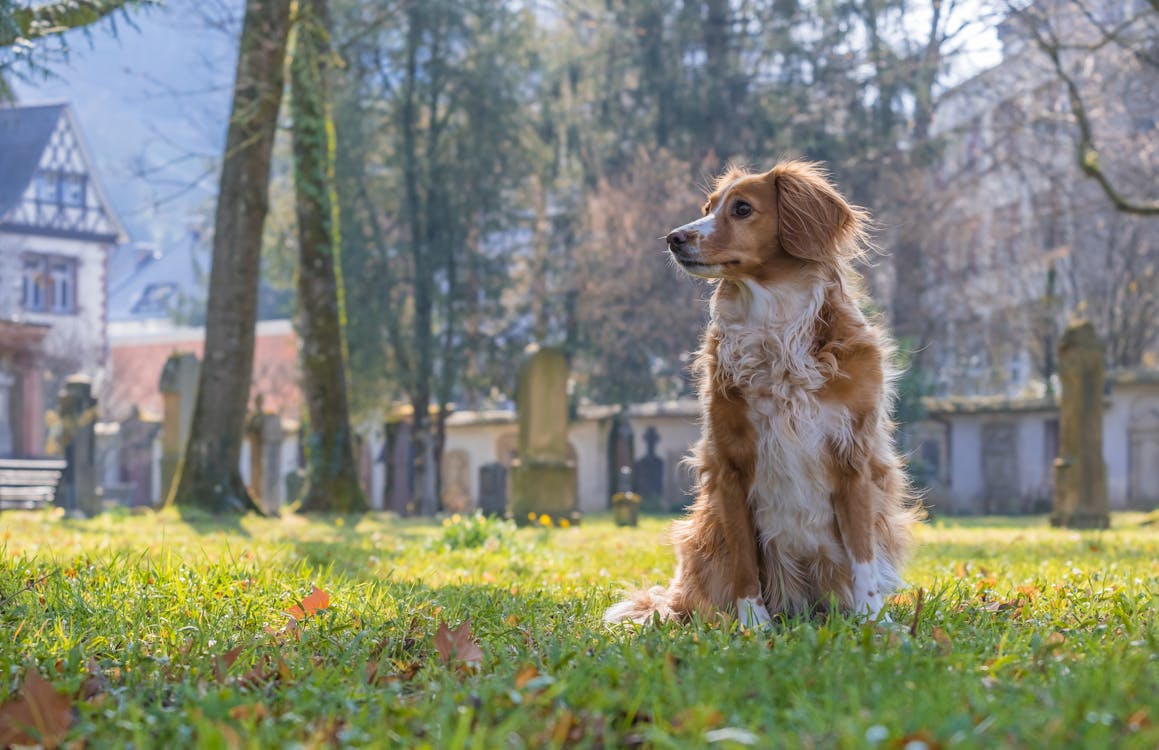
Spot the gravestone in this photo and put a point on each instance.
(542, 480)
(179, 391)
(493, 489)
(456, 476)
(78, 418)
(7, 434)
(621, 449)
(396, 457)
(136, 470)
(265, 435)
(1080, 474)
(648, 474)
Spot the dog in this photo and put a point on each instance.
(802, 497)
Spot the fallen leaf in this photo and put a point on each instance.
(457, 644)
(525, 675)
(222, 662)
(943, 640)
(919, 739)
(1138, 720)
(95, 683)
(316, 601)
(249, 712)
(38, 716)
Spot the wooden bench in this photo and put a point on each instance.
(29, 483)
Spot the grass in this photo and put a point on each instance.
(1027, 637)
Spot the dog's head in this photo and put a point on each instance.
(758, 226)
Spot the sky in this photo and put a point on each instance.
(151, 100)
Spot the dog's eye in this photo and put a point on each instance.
(742, 209)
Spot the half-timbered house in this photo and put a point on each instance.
(56, 231)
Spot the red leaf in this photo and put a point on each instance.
(223, 662)
(457, 644)
(38, 716)
(316, 601)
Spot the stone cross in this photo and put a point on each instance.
(179, 390)
(1080, 474)
(78, 418)
(542, 480)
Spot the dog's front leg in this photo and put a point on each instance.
(853, 503)
(732, 455)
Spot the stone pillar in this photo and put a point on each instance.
(542, 480)
(179, 391)
(78, 417)
(1080, 474)
(32, 392)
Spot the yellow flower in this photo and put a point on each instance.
(339, 521)
(564, 523)
(446, 522)
(545, 519)
(456, 518)
(531, 516)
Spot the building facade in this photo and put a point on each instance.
(56, 231)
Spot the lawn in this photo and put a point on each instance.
(167, 632)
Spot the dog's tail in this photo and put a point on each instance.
(642, 606)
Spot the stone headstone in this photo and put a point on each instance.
(680, 489)
(648, 474)
(1080, 474)
(7, 433)
(493, 489)
(396, 456)
(265, 435)
(78, 418)
(179, 391)
(456, 484)
(136, 469)
(621, 448)
(542, 479)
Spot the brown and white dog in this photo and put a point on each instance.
(802, 498)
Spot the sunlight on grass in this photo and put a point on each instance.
(1027, 636)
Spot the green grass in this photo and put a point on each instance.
(1028, 637)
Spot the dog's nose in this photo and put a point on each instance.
(678, 239)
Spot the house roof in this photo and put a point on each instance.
(171, 277)
(26, 130)
(24, 133)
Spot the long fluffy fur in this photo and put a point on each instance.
(802, 498)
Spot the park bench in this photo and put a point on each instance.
(29, 483)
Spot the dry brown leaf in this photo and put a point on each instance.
(525, 675)
(945, 645)
(222, 662)
(1138, 720)
(920, 738)
(913, 628)
(316, 601)
(95, 683)
(456, 645)
(39, 715)
(249, 711)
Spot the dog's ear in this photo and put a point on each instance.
(813, 221)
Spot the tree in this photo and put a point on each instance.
(208, 476)
(21, 26)
(1108, 62)
(430, 170)
(331, 475)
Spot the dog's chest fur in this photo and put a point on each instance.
(766, 347)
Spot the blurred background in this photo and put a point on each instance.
(502, 171)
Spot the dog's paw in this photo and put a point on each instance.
(868, 599)
(751, 612)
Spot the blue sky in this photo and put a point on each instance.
(152, 99)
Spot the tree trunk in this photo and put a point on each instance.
(332, 476)
(208, 476)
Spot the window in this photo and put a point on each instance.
(154, 298)
(47, 187)
(49, 284)
(72, 190)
